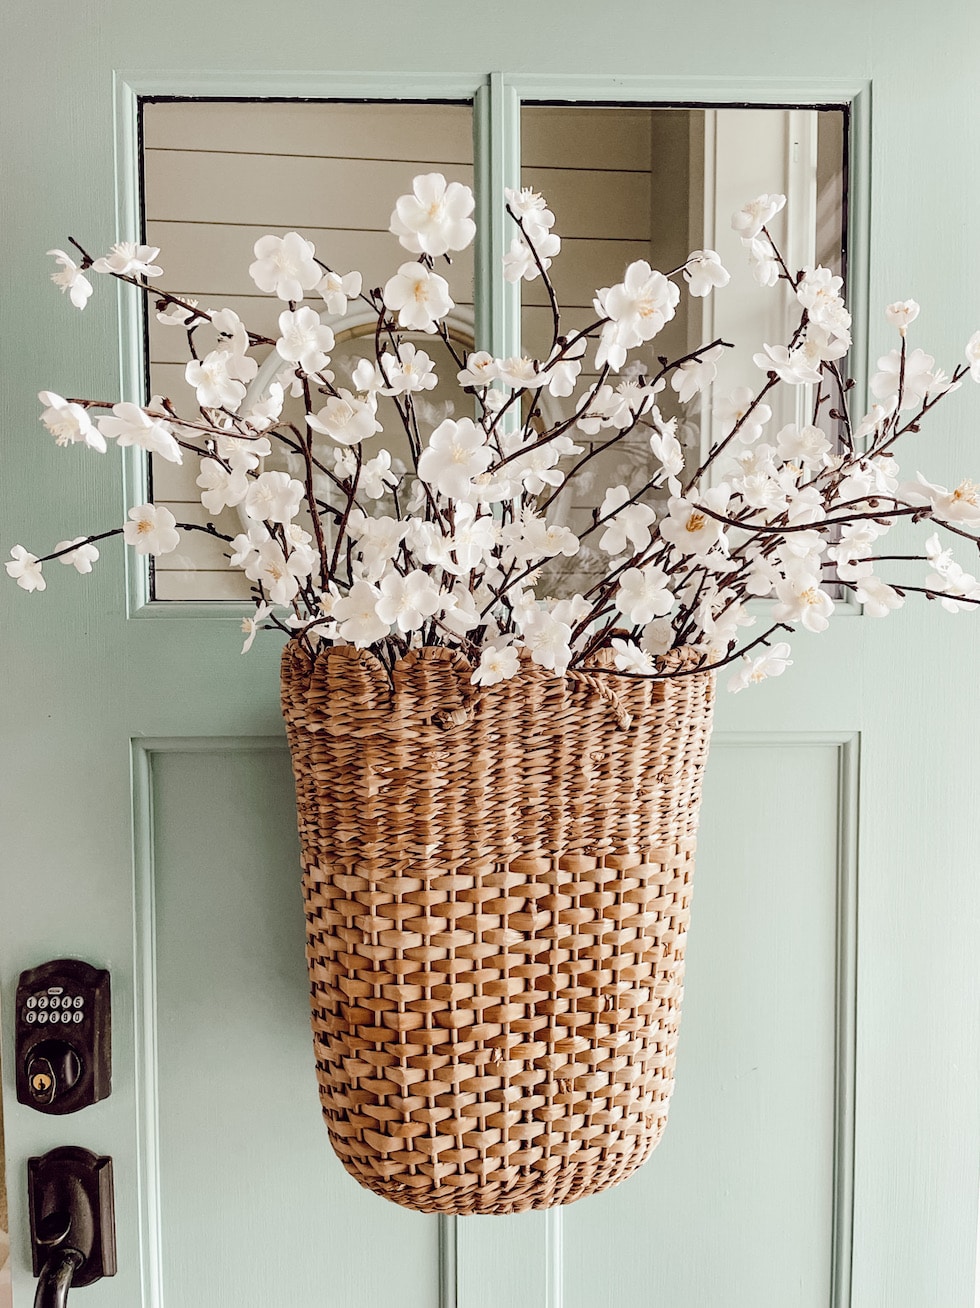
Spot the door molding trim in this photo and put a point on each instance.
(847, 748)
(847, 745)
(142, 751)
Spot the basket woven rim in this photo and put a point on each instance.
(685, 658)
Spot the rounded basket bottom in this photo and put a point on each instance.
(506, 1190)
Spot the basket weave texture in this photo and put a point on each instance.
(497, 887)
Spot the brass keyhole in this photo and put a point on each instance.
(41, 1083)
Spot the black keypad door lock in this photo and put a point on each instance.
(63, 1036)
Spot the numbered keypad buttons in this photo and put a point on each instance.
(46, 1008)
(63, 1009)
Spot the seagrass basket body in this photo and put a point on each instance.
(497, 888)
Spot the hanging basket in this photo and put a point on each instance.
(497, 887)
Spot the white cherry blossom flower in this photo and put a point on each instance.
(177, 315)
(657, 637)
(901, 314)
(763, 264)
(874, 419)
(940, 558)
(519, 261)
(466, 547)
(571, 611)
(562, 369)
(749, 221)
(278, 574)
(419, 297)
(643, 595)
(82, 558)
(808, 446)
(917, 380)
(959, 590)
(519, 373)
(802, 549)
(665, 445)
(801, 600)
(547, 640)
(151, 530)
(532, 538)
(233, 337)
(638, 308)
(877, 597)
(241, 452)
(131, 425)
(460, 612)
(773, 663)
(346, 419)
(962, 504)
(704, 271)
(266, 410)
(973, 355)
(457, 452)
(274, 497)
(853, 548)
(532, 209)
(435, 218)
(740, 407)
(285, 266)
(127, 259)
(629, 524)
(213, 381)
(251, 624)
(246, 545)
(537, 468)
(481, 369)
(367, 378)
(695, 375)
(377, 477)
(25, 568)
(720, 616)
(692, 530)
(357, 617)
(378, 541)
(337, 289)
(406, 602)
(304, 339)
(804, 504)
(221, 488)
(69, 423)
(819, 293)
(497, 663)
(790, 366)
(71, 279)
(630, 658)
(411, 371)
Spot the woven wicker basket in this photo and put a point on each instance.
(497, 887)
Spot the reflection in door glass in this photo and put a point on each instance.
(220, 174)
(627, 182)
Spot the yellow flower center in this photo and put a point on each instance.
(695, 522)
(810, 596)
(966, 492)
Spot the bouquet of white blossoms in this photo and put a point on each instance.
(455, 532)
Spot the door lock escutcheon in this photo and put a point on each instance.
(63, 1032)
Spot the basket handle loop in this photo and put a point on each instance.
(601, 687)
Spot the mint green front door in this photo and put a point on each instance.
(824, 1143)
